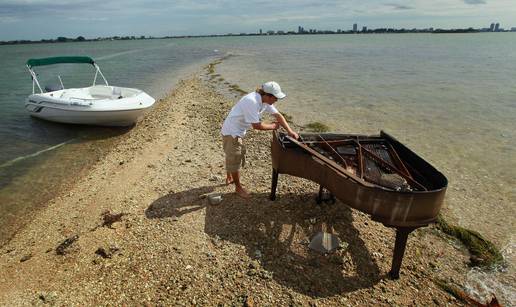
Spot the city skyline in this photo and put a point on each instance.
(494, 27)
(46, 19)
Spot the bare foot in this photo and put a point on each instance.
(229, 179)
(242, 193)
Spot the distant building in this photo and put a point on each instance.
(300, 30)
(355, 27)
(261, 32)
(497, 27)
(491, 28)
(364, 29)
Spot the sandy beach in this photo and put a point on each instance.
(141, 232)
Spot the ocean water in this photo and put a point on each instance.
(449, 97)
(151, 65)
(37, 157)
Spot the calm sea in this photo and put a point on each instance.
(36, 157)
(449, 97)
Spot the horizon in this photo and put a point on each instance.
(45, 19)
(81, 38)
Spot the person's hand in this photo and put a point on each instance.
(293, 135)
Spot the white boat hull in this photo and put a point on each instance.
(97, 118)
(60, 107)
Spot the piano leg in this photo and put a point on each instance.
(319, 198)
(330, 198)
(402, 234)
(274, 184)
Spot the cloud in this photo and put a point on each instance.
(184, 17)
(27, 8)
(83, 18)
(405, 7)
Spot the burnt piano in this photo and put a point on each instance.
(375, 174)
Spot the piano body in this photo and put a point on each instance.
(374, 174)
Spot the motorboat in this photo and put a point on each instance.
(103, 105)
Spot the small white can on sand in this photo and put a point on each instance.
(214, 199)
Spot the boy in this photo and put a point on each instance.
(244, 115)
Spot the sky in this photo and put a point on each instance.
(44, 19)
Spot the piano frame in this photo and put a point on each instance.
(403, 210)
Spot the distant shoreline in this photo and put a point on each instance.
(278, 33)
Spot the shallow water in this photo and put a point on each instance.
(37, 157)
(37, 178)
(151, 65)
(451, 98)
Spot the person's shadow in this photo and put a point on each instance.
(277, 233)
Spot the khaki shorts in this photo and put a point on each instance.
(235, 152)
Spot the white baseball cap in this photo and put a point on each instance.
(274, 89)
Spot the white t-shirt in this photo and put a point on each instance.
(247, 111)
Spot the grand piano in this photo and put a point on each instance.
(375, 174)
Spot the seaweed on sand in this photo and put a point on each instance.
(463, 296)
(237, 89)
(482, 252)
(288, 117)
(61, 249)
(110, 218)
(317, 127)
(211, 66)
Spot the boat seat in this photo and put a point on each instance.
(101, 91)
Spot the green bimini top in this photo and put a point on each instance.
(60, 60)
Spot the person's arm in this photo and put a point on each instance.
(262, 126)
(283, 123)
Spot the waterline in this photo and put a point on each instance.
(18, 159)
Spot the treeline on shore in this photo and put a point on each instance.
(62, 39)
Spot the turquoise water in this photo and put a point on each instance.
(450, 97)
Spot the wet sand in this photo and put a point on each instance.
(170, 247)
